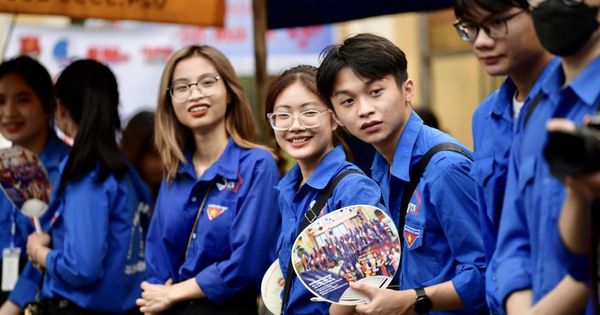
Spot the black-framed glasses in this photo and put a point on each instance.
(309, 119)
(496, 28)
(571, 3)
(182, 91)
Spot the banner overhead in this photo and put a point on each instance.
(194, 12)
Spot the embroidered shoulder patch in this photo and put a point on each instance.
(412, 207)
(411, 235)
(214, 211)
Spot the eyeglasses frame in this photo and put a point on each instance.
(271, 115)
(189, 85)
(486, 29)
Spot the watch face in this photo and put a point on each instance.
(423, 305)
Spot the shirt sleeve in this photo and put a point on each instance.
(512, 256)
(578, 266)
(357, 189)
(453, 194)
(156, 256)
(27, 286)
(78, 262)
(252, 237)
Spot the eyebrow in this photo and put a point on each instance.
(210, 74)
(302, 105)
(368, 82)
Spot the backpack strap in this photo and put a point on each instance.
(532, 106)
(310, 215)
(415, 177)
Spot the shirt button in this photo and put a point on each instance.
(194, 236)
(193, 199)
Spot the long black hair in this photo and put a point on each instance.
(89, 92)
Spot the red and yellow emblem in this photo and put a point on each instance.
(214, 211)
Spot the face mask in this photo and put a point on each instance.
(562, 29)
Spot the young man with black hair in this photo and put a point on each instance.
(503, 38)
(531, 272)
(364, 80)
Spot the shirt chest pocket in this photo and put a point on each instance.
(420, 261)
(213, 233)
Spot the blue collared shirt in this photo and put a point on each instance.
(98, 230)
(234, 241)
(493, 129)
(54, 152)
(442, 233)
(354, 189)
(526, 257)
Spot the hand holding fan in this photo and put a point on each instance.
(25, 182)
(353, 244)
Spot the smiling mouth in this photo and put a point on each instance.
(198, 108)
(299, 140)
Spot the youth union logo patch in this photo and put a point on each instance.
(411, 235)
(214, 211)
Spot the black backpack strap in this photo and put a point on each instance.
(310, 216)
(415, 177)
(532, 106)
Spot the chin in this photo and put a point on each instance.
(495, 70)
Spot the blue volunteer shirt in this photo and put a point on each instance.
(53, 153)
(526, 257)
(98, 230)
(234, 241)
(493, 128)
(442, 233)
(354, 189)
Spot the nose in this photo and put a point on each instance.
(196, 91)
(296, 125)
(364, 107)
(483, 40)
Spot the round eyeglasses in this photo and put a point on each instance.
(496, 28)
(182, 91)
(308, 119)
(571, 3)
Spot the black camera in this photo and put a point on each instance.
(574, 153)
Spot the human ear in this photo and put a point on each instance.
(409, 90)
(335, 121)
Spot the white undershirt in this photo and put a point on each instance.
(516, 106)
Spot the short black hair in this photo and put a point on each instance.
(370, 56)
(463, 8)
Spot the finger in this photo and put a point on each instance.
(140, 302)
(560, 124)
(169, 281)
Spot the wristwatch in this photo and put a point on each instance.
(423, 305)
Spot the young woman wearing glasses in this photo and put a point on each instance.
(215, 222)
(308, 132)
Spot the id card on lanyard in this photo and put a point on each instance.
(10, 258)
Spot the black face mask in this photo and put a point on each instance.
(563, 29)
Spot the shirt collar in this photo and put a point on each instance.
(403, 152)
(585, 85)
(501, 106)
(54, 152)
(325, 171)
(226, 166)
